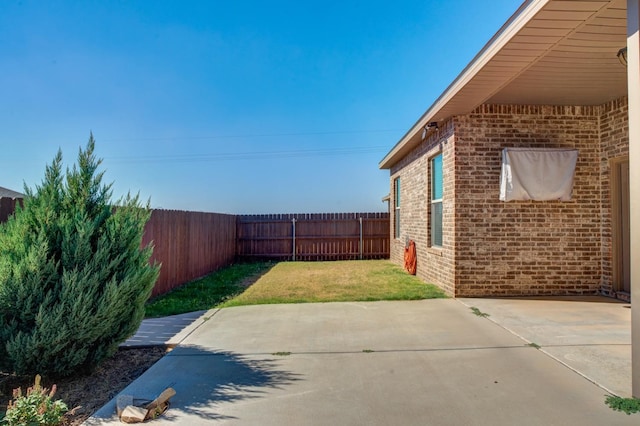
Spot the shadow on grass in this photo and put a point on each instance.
(208, 292)
(204, 380)
(252, 279)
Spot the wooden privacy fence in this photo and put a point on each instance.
(323, 236)
(7, 207)
(189, 245)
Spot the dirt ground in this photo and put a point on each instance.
(90, 393)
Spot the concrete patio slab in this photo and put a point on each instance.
(380, 363)
(348, 327)
(591, 335)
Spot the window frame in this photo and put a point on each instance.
(434, 203)
(396, 199)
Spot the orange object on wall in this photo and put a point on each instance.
(410, 260)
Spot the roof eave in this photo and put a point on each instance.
(9, 193)
(514, 24)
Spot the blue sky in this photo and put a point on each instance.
(230, 106)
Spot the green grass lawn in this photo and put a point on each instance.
(294, 282)
(208, 292)
(341, 281)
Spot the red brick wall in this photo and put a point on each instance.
(516, 248)
(434, 265)
(526, 247)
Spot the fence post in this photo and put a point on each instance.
(293, 221)
(361, 245)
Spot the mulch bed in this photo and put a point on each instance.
(90, 392)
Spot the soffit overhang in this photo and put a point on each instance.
(550, 52)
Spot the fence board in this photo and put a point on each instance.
(320, 236)
(7, 207)
(189, 245)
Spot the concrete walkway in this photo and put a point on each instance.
(169, 331)
(380, 363)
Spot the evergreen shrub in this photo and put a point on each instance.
(73, 276)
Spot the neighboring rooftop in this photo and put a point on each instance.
(8, 193)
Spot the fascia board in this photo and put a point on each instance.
(517, 21)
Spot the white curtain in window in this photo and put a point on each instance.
(537, 174)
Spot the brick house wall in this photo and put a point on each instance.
(517, 248)
(526, 247)
(434, 265)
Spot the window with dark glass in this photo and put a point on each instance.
(436, 201)
(396, 196)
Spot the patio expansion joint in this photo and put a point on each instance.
(207, 316)
(541, 349)
(364, 352)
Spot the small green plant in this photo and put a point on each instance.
(36, 407)
(627, 405)
(533, 345)
(478, 312)
(281, 353)
(368, 351)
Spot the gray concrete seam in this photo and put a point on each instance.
(541, 349)
(205, 317)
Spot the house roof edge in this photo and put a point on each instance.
(518, 20)
(9, 193)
